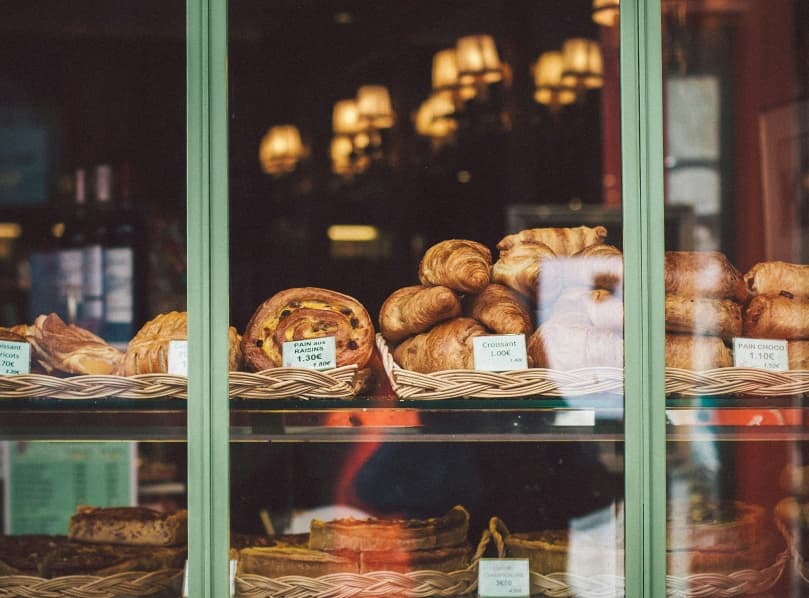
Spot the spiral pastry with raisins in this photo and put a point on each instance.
(303, 313)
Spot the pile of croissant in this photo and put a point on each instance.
(565, 277)
(560, 287)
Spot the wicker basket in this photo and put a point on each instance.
(377, 584)
(454, 384)
(166, 583)
(716, 585)
(277, 383)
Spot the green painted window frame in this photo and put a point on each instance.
(208, 307)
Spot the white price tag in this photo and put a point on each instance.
(233, 565)
(503, 578)
(185, 580)
(178, 358)
(761, 353)
(15, 358)
(500, 353)
(311, 353)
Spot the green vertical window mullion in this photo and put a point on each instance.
(206, 133)
(641, 154)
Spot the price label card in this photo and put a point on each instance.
(500, 353)
(311, 353)
(503, 578)
(178, 358)
(15, 358)
(761, 353)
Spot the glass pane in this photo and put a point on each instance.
(432, 173)
(737, 300)
(92, 247)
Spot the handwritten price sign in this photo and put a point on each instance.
(500, 353)
(761, 353)
(311, 353)
(15, 358)
(503, 578)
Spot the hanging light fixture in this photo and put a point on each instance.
(374, 105)
(549, 89)
(478, 60)
(434, 116)
(582, 64)
(606, 12)
(446, 78)
(346, 118)
(280, 150)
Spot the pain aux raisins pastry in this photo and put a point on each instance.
(306, 313)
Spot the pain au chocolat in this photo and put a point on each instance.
(703, 274)
(304, 313)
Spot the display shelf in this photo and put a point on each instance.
(595, 418)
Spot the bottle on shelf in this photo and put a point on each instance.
(92, 314)
(70, 260)
(122, 263)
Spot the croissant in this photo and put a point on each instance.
(461, 265)
(148, 351)
(414, 309)
(773, 278)
(70, 349)
(777, 316)
(501, 310)
(597, 266)
(602, 308)
(698, 315)
(697, 353)
(703, 274)
(304, 313)
(520, 269)
(446, 346)
(561, 241)
(569, 341)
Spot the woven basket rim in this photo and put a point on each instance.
(128, 583)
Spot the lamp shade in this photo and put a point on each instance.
(280, 149)
(582, 63)
(547, 71)
(445, 69)
(433, 116)
(477, 57)
(346, 118)
(373, 102)
(606, 12)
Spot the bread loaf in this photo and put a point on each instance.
(414, 309)
(306, 313)
(462, 265)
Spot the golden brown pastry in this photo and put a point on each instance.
(128, 525)
(703, 274)
(569, 341)
(561, 241)
(11, 335)
(450, 529)
(446, 346)
(501, 310)
(708, 317)
(459, 264)
(778, 317)
(148, 351)
(697, 353)
(304, 313)
(519, 268)
(597, 266)
(798, 355)
(452, 558)
(414, 309)
(774, 278)
(71, 349)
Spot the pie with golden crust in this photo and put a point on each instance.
(128, 525)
